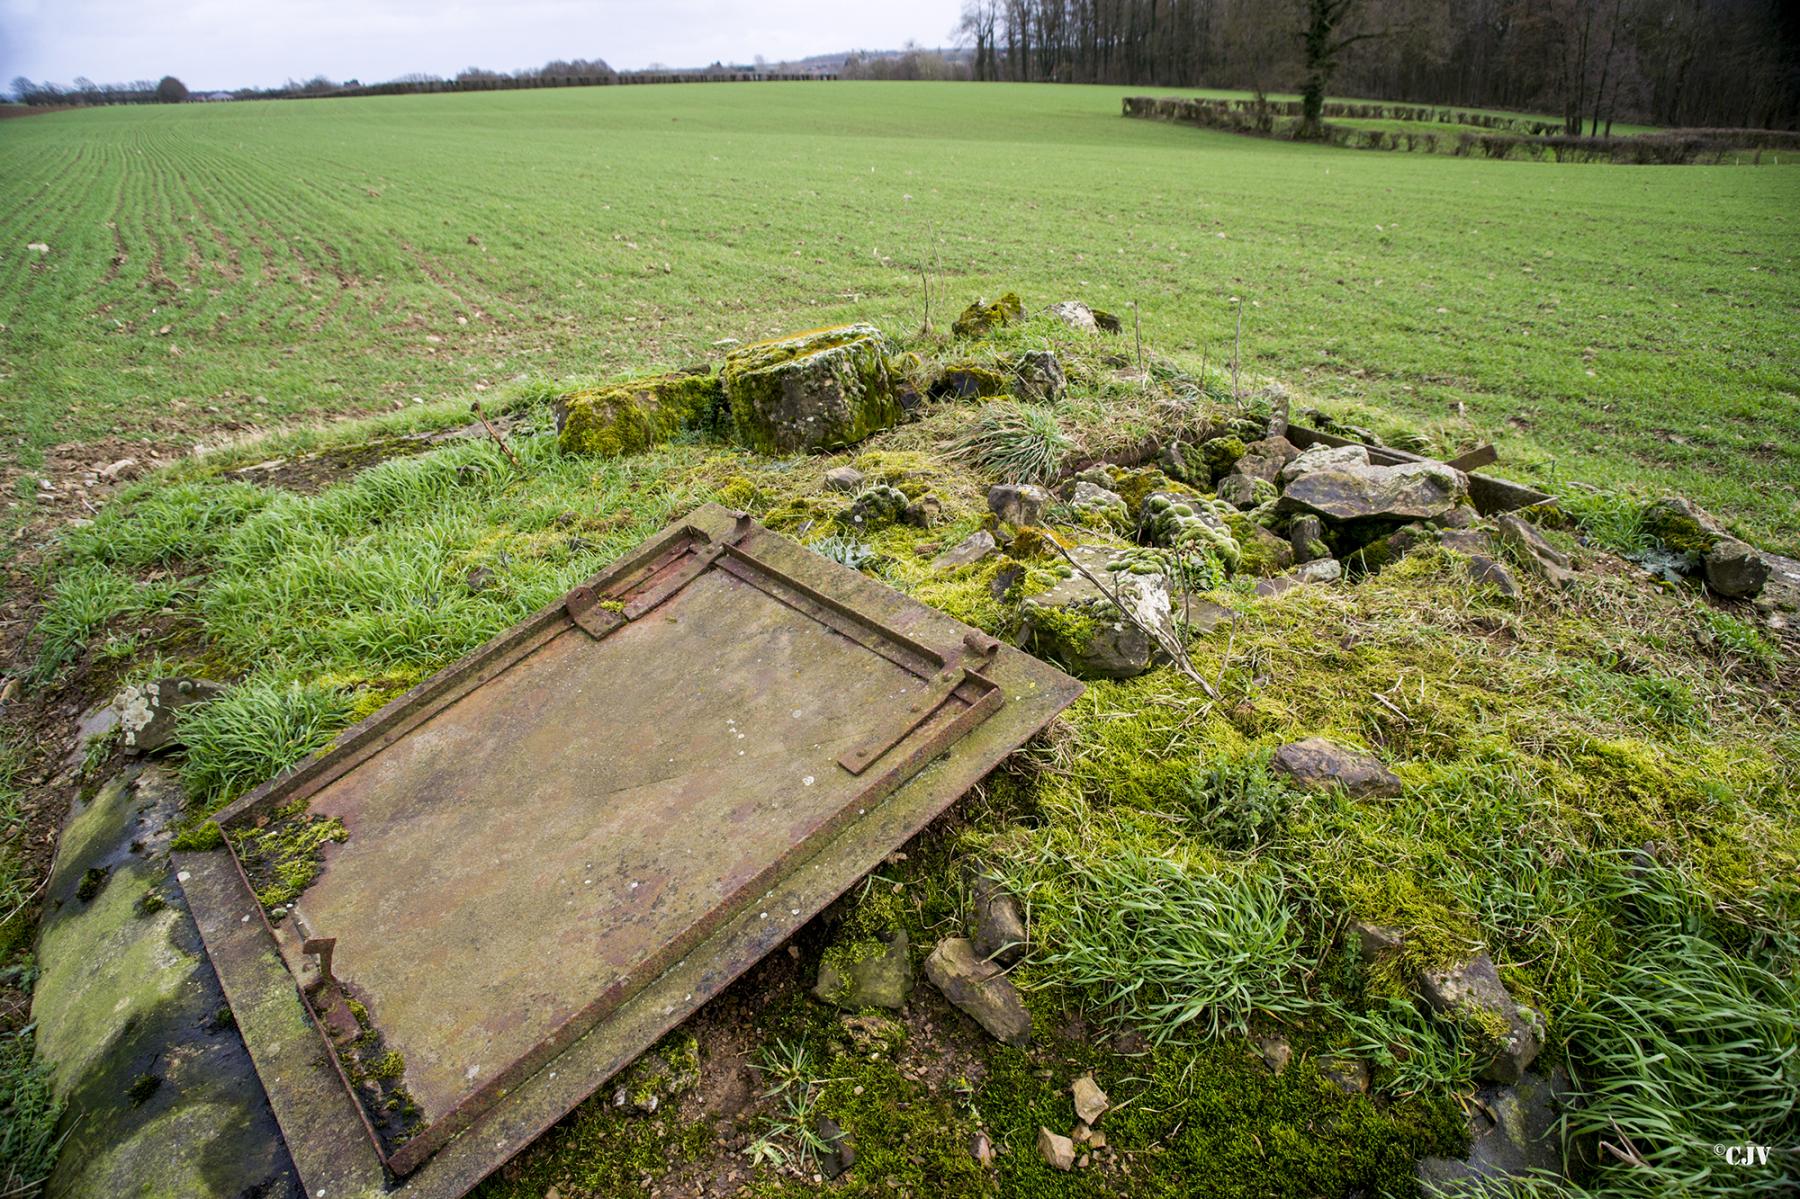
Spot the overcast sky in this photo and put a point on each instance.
(231, 43)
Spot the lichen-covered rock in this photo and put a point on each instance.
(1512, 1136)
(1018, 504)
(924, 512)
(1097, 507)
(1316, 763)
(980, 989)
(146, 711)
(1322, 457)
(635, 414)
(1410, 491)
(876, 973)
(1472, 994)
(1240, 490)
(877, 507)
(1177, 521)
(981, 317)
(1734, 569)
(1038, 376)
(811, 392)
(1306, 534)
(1220, 454)
(1682, 525)
(1074, 314)
(1076, 624)
(969, 381)
(1260, 552)
(1264, 459)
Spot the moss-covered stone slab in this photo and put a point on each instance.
(811, 392)
(635, 414)
(162, 1098)
(981, 316)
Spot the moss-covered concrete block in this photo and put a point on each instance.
(814, 391)
(162, 1098)
(636, 414)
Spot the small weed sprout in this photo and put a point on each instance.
(844, 550)
(789, 1135)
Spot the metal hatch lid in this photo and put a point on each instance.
(521, 909)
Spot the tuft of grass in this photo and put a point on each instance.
(85, 600)
(1693, 1042)
(1019, 443)
(253, 732)
(1611, 520)
(29, 1112)
(1175, 945)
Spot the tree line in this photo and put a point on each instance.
(1719, 63)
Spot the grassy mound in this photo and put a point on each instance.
(1599, 788)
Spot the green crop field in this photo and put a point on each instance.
(242, 265)
(215, 267)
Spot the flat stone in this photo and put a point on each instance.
(1316, 763)
(1735, 570)
(999, 927)
(980, 990)
(126, 993)
(880, 978)
(1057, 1150)
(1018, 504)
(1323, 457)
(846, 479)
(1544, 559)
(817, 391)
(1473, 994)
(1090, 1101)
(1265, 459)
(1410, 491)
(981, 1148)
(969, 550)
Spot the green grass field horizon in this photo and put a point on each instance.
(251, 265)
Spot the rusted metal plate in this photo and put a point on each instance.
(564, 844)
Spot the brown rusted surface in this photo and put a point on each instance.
(564, 844)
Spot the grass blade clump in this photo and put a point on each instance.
(1020, 443)
(84, 602)
(254, 732)
(29, 1111)
(1687, 1045)
(1172, 945)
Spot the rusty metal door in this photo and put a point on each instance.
(561, 846)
